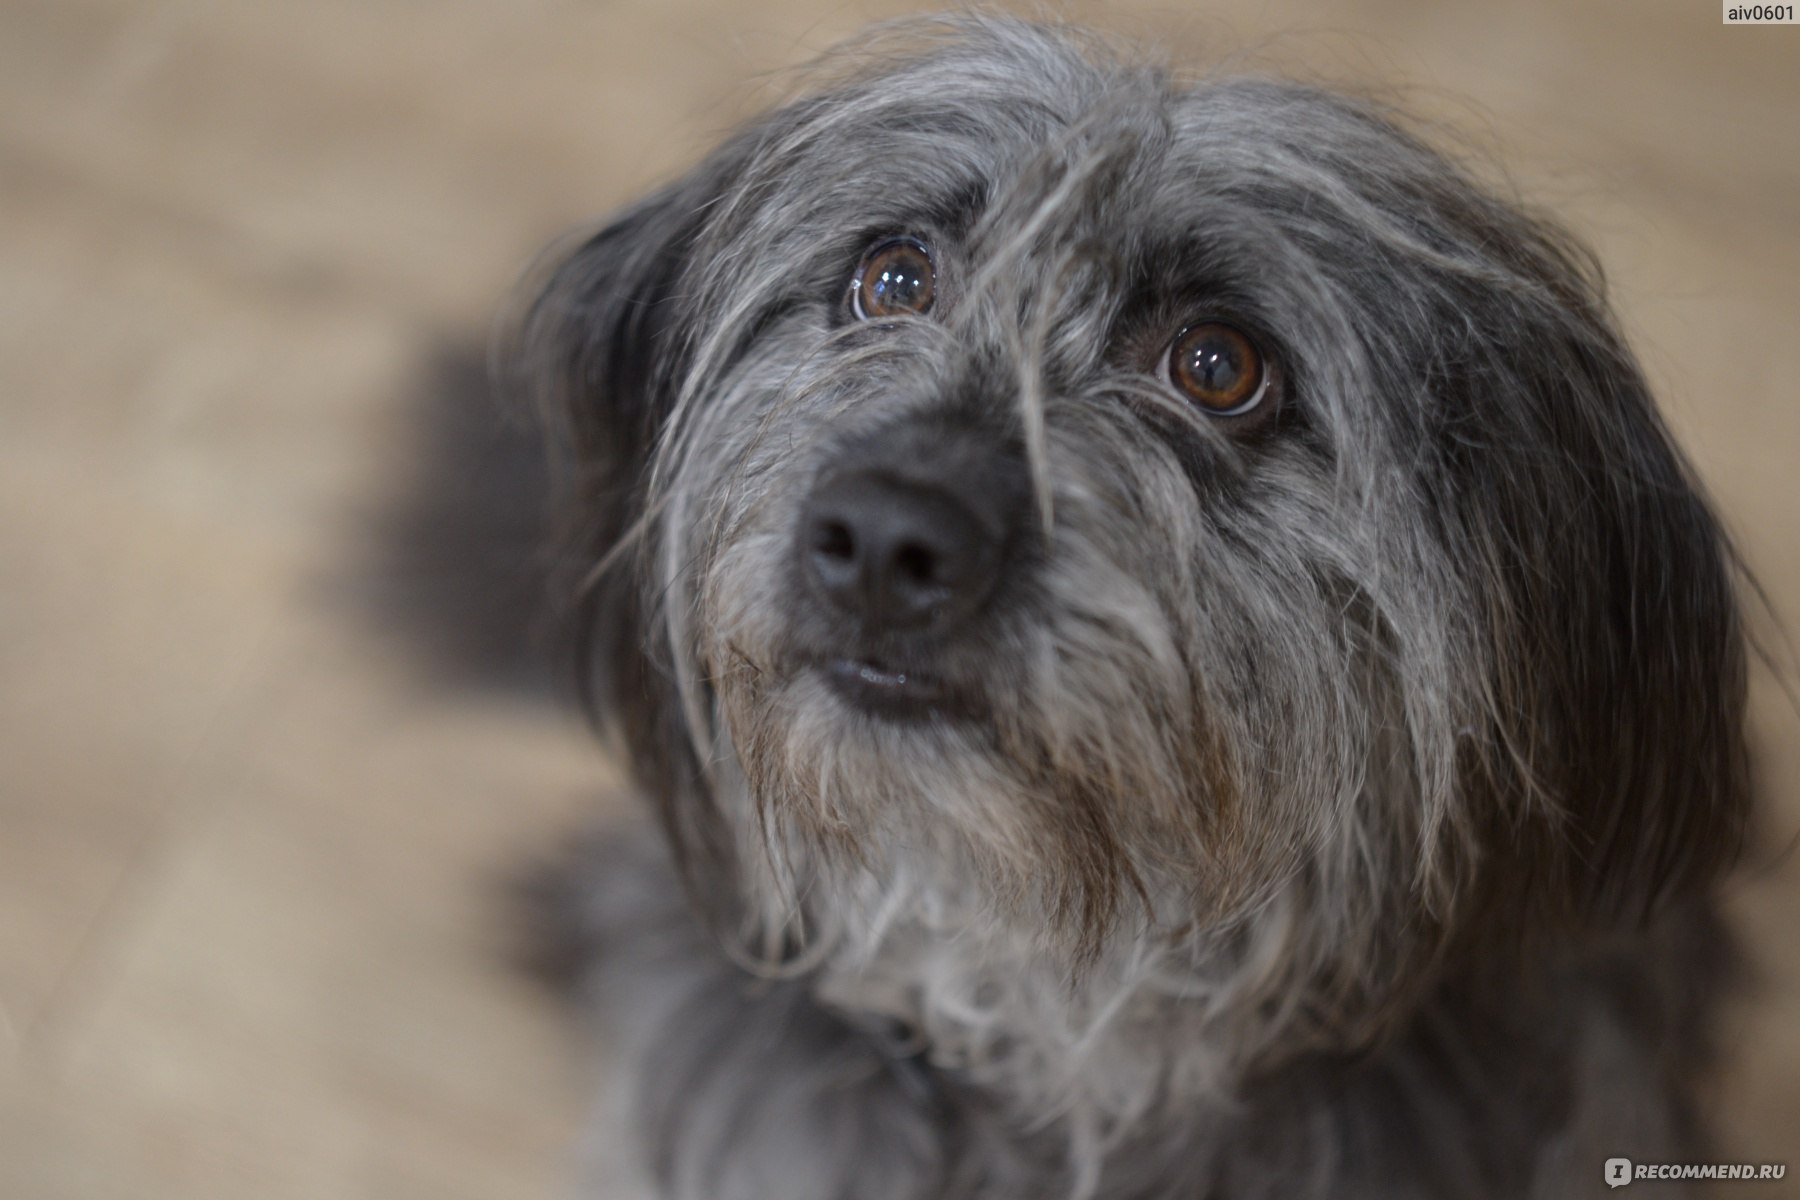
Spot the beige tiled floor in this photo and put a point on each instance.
(248, 941)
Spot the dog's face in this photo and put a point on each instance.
(1146, 502)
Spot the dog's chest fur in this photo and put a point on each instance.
(982, 1002)
(1148, 1040)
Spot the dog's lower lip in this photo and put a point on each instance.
(879, 689)
(874, 676)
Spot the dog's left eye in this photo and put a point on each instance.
(895, 278)
(1219, 368)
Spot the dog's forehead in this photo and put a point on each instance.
(1092, 151)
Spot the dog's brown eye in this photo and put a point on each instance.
(895, 278)
(1219, 368)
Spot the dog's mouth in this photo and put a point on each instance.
(889, 691)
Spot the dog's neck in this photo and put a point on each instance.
(980, 990)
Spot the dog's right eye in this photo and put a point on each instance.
(1219, 368)
(895, 278)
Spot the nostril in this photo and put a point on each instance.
(916, 563)
(833, 539)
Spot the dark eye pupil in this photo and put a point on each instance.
(1217, 365)
(893, 280)
(902, 285)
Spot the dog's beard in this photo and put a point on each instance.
(957, 873)
(1054, 883)
(1079, 778)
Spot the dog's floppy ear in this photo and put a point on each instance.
(601, 349)
(1616, 662)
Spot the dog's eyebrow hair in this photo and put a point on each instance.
(956, 214)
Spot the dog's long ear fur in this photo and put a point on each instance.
(1616, 682)
(602, 349)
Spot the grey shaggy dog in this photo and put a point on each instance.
(1172, 650)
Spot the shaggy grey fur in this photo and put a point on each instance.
(1324, 805)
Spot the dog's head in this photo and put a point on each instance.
(1151, 503)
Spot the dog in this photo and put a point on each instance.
(1169, 648)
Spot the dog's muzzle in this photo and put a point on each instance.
(902, 545)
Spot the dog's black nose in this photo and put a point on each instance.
(897, 553)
